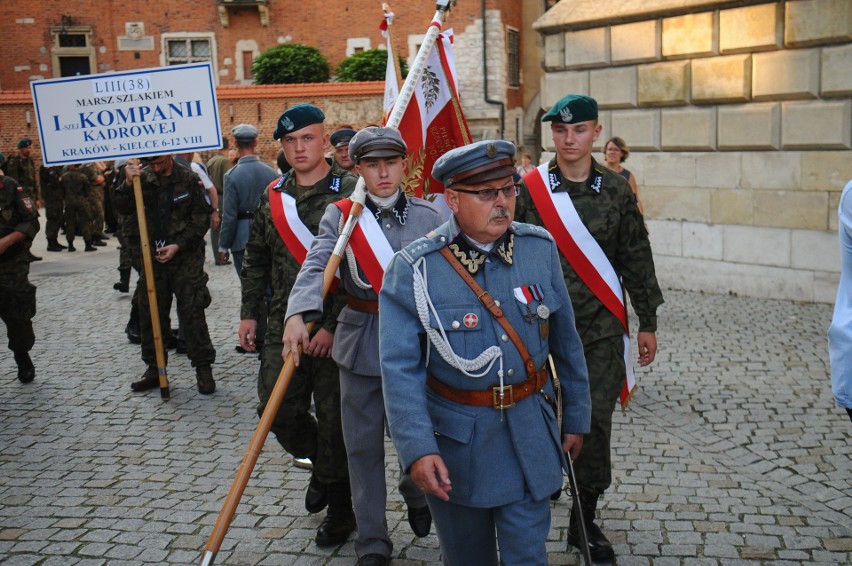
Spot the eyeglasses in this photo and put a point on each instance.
(490, 195)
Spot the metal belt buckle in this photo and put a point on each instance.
(508, 400)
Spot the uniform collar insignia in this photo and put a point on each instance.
(399, 210)
(473, 258)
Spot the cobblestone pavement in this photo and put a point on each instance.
(732, 451)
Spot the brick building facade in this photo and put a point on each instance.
(739, 116)
(54, 38)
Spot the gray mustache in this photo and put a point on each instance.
(499, 213)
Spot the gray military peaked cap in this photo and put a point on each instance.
(244, 132)
(476, 163)
(376, 142)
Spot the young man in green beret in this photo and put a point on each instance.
(281, 232)
(593, 215)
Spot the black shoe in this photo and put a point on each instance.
(32, 257)
(335, 529)
(99, 243)
(71, 247)
(204, 380)
(26, 370)
(181, 347)
(122, 286)
(420, 520)
(133, 334)
(316, 497)
(103, 237)
(373, 560)
(54, 246)
(172, 340)
(149, 380)
(90, 248)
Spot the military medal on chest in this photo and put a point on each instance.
(526, 295)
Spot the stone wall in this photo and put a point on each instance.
(740, 122)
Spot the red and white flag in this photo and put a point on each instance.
(433, 122)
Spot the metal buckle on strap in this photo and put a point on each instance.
(500, 397)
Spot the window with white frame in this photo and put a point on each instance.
(357, 45)
(189, 49)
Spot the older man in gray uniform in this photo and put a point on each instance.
(244, 183)
(468, 317)
(390, 220)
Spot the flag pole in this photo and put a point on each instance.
(229, 507)
(389, 19)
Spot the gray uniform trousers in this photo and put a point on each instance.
(355, 350)
(362, 408)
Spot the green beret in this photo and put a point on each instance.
(297, 117)
(24, 142)
(475, 163)
(572, 109)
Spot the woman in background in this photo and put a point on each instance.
(615, 153)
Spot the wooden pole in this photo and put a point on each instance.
(152, 290)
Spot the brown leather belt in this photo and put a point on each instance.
(363, 305)
(491, 397)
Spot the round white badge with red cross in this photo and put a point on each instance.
(470, 320)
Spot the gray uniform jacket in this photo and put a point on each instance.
(356, 340)
(493, 456)
(244, 183)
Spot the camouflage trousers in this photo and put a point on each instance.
(78, 218)
(96, 206)
(295, 428)
(605, 361)
(184, 279)
(17, 302)
(54, 210)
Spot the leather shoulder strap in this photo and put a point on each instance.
(487, 301)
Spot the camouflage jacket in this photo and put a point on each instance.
(268, 261)
(607, 207)
(17, 214)
(22, 169)
(49, 179)
(176, 209)
(76, 182)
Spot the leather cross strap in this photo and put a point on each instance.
(486, 299)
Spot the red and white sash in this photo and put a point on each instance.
(290, 227)
(585, 255)
(369, 244)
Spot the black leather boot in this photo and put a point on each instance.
(132, 328)
(149, 380)
(53, 245)
(316, 497)
(26, 370)
(600, 548)
(71, 247)
(204, 379)
(339, 521)
(123, 284)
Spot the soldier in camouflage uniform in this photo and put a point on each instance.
(313, 182)
(76, 184)
(178, 215)
(54, 205)
(18, 225)
(607, 207)
(21, 167)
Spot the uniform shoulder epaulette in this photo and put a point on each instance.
(418, 248)
(279, 184)
(524, 229)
